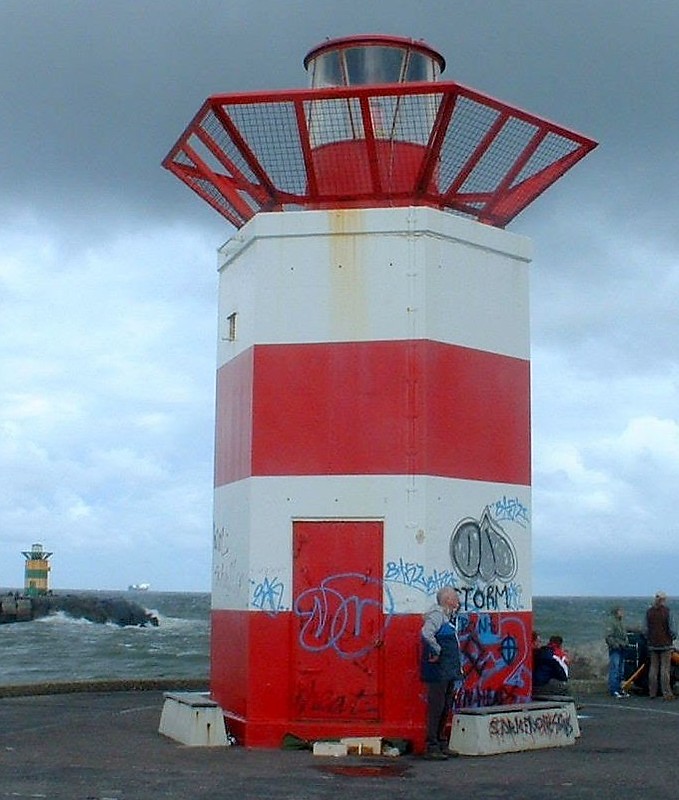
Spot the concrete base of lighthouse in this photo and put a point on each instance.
(372, 446)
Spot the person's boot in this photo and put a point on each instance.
(433, 753)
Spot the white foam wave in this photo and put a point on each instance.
(62, 618)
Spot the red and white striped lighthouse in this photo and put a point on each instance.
(373, 387)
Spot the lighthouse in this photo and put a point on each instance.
(373, 387)
(36, 571)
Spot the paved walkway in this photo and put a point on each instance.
(105, 746)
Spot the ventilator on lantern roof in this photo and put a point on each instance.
(376, 128)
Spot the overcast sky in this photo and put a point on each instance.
(108, 272)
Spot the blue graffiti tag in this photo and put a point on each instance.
(511, 509)
(335, 616)
(267, 595)
(409, 573)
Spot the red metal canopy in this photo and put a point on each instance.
(436, 144)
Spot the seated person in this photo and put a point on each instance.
(555, 644)
(550, 670)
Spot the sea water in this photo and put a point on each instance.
(59, 648)
(581, 621)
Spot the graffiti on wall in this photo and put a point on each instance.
(480, 550)
(225, 571)
(347, 615)
(343, 615)
(267, 595)
(549, 725)
(415, 576)
(483, 562)
(495, 646)
(495, 655)
(510, 509)
(474, 597)
(495, 597)
(311, 700)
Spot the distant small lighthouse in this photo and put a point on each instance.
(36, 573)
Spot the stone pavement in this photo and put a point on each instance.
(106, 746)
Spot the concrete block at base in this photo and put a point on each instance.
(363, 745)
(511, 728)
(193, 719)
(335, 749)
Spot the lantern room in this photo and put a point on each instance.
(338, 133)
(361, 60)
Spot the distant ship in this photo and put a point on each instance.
(139, 587)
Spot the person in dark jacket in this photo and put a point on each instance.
(440, 668)
(660, 633)
(550, 674)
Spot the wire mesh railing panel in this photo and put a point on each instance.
(470, 123)
(500, 157)
(435, 144)
(272, 136)
(214, 127)
(551, 149)
(211, 193)
(406, 118)
(333, 120)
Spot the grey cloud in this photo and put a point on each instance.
(107, 263)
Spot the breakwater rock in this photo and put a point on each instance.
(115, 610)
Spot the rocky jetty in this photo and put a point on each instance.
(115, 610)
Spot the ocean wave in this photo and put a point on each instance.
(62, 618)
(588, 661)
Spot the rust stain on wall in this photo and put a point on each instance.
(348, 287)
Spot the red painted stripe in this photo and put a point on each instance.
(233, 435)
(374, 408)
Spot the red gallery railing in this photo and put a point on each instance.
(437, 144)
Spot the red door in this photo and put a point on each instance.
(338, 625)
